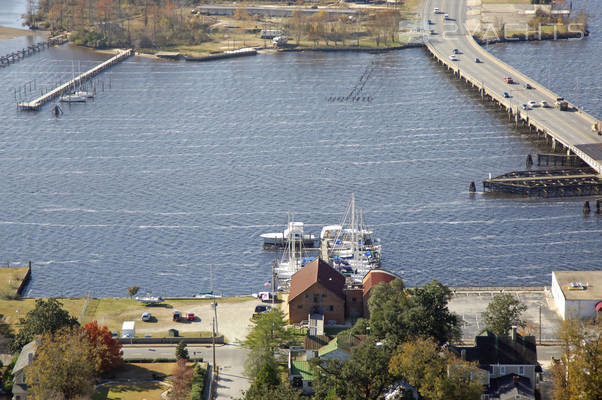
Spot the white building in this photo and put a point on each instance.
(577, 294)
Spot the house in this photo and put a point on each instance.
(317, 288)
(339, 348)
(511, 387)
(577, 294)
(26, 357)
(371, 279)
(503, 356)
(301, 376)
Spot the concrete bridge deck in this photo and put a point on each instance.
(571, 129)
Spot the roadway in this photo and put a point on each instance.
(572, 128)
(229, 359)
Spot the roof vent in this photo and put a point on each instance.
(576, 286)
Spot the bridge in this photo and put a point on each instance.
(571, 129)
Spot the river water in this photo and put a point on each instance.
(176, 168)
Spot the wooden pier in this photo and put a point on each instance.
(15, 56)
(35, 105)
(547, 183)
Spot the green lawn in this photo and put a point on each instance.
(130, 391)
(10, 280)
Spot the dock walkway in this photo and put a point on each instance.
(35, 104)
(15, 56)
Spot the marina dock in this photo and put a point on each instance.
(15, 56)
(66, 87)
(547, 183)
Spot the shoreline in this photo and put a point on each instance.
(12, 33)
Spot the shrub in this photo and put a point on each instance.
(198, 383)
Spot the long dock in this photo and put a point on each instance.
(571, 130)
(15, 56)
(35, 104)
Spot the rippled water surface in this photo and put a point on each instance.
(177, 167)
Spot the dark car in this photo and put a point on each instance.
(262, 309)
(527, 86)
(177, 315)
(506, 95)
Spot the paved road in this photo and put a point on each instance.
(571, 128)
(229, 359)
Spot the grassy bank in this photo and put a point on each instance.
(10, 281)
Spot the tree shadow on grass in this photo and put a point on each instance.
(134, 387)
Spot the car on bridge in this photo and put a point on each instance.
(508, 79)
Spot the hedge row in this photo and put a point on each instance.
(198, 383)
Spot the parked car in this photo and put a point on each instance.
(146, 316)
(477, 60)
(524, 107)
(508, 80)
(453, 57)
(532, 104)
(527, 86)
(177, 315)
(436, 10)
(544, 104)
(506, 95)
(114, 334)
(262, 309)
(456, 51)
(190, 316)
(446, 16)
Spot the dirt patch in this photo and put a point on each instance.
(9, 33)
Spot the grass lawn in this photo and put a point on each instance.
(10, 280)
(144, 370)
(506, 1)
(130, 391)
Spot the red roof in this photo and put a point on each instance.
(317, 271)
(376, 276)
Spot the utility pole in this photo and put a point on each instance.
(213, 345)
(539, 323)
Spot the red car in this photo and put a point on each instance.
(508, 79)
(190, 316)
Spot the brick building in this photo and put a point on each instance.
(317, 288)
(372, 279)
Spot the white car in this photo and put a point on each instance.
(436, 10)
(446, 16)
(146, 316)
(543, 104)
(532, 104)
(453, 57)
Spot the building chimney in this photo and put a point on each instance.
(513, 334)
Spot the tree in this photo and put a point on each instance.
(268, 330)
(503, 312)
(436, 373)
(181, 351)
(46, 317)
(428, 314)
(69, 356)
(578, 372)
(397, 314)
(107, 351)
(181, 379)
(363, 377)
(132, 290)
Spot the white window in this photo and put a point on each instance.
(521, 370)
(502, 370)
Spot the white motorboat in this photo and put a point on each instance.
(73, 98)
(294, 232)
(85, 94)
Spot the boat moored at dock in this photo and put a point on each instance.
(293, 232)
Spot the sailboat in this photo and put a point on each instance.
(350, 246)
(83, 93)
(292, 258)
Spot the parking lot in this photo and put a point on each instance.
(470, 304)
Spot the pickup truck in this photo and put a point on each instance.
(561, 104)
(508, 80)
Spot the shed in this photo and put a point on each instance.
(128, 329)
